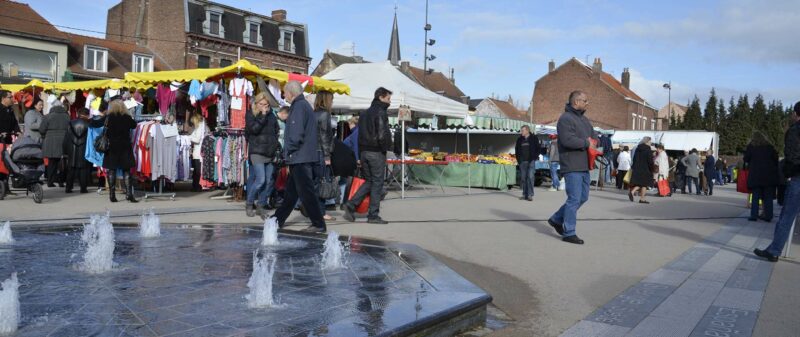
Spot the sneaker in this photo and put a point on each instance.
(250, 210)
(764, 254)
(377, 221)
(314, 229)
(348, 213)
(557, 226)
(573, 239)
(552, 189)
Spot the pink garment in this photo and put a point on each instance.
(165, 97)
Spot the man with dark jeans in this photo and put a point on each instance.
(374, 140)
(300, 150)
(575, 136)
(791, 202)
(527, 151)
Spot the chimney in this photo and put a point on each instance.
(597, 67)
(404, 65)
(626, 78)
(453, 76)
(279, 15)
(551, 66)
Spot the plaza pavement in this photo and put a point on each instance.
(546, 286)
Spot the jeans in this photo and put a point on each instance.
(609, 170)
(710, 184)
(554, 166)
(791, 206)
(260, 183)
(300, 184)
(373, 165)
(577, 186)
(696, 180)
(527, 171)
(720, 181)
(765, 194)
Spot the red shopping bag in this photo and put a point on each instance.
(3, 168)
(363, 207)
(741, 182)
(593, 154)
(283, 175)
(663, 187)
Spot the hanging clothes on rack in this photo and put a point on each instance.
(165, 95)
(240, 89)
(223, 105)
(184, 161)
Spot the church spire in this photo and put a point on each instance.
(394, 43)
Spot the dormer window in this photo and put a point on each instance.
(252, 32)
(213, 23)
(95, 59)
(142, 63)
(286, 42)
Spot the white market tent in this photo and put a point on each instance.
(364, 78)
(673, 140)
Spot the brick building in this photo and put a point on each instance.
(670, 109)
(612, 104)
(30, 47)
(92, 58)
(185, 34)
(331, 60)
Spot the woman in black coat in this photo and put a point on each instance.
(53, 129)
(261, 132)
(120, 151)
(75, 150)
(762, 160)
(642, 175)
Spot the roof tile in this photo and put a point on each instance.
(21, 18)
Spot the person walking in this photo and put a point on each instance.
(301, 154)
(576, 137)
(323, 105)
(119, 157)
(75, 150)
(552, 153)
(33, 121)
(720, 166)
(261, 133)
(642, 170)
(623, 166)
(761, 159)
(791, 202)
(692, 173)
(527, 150)
(661, 161)
(374, 140)
(8, 119)
(53, 129)
(351, 142)
(710, 170)
(197, 135)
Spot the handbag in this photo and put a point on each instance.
(627, 178)
(328, 189)
(363, 207)
(741, 181)
(101, 142)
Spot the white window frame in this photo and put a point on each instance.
(149, 58)
(207, 24)
(634, 122)
(250, 20)
(281, 44)
(95, 51)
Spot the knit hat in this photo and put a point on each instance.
(797, 108)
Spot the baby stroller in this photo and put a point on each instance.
(23, 167)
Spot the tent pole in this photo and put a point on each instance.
(469, 167)
(403, 159)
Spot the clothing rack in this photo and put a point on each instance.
(160, 193)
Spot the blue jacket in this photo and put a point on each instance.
(709, 169)
(300, 136)
(352, 141)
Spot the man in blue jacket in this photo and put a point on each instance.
(574, 140)
(300, 151)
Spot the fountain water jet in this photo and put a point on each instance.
(260, 282)
(5, 233)
(98, 236)
(333, 256)
(150, 225)
(270, 232)
(9, 305)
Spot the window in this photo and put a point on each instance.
(653, 125)
(286, 42)
(254, 28)
(20, 65)
(214, 27)
(633, 123)
(203, 61)
(95, 59)
(224, 63)
(142, 63)
(252, 32)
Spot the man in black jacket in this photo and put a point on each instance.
(791, 202)
(8, 120)
(575, 135)
(374, 140)
(527, 150)
(301, 152)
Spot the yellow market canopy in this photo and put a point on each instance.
(243, 67)
(19, 87)
(79, 85)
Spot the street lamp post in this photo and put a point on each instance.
(668, 86)
(430, 42)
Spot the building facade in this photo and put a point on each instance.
(495, 108)
(185, 34)
(612, 104)
(668, 110)
(96, 58)
(30, 47)
(331, 60)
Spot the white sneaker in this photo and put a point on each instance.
(552, 189)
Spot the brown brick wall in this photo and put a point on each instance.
(164, 23)
(114, 23)
(607, 108)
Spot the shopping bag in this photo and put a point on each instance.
(3, 168)
(363, 207)
(283, 176)
(663, 187)
(627, 178)
(741, 182)
(593, 153)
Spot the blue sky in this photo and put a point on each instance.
(502, 47)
